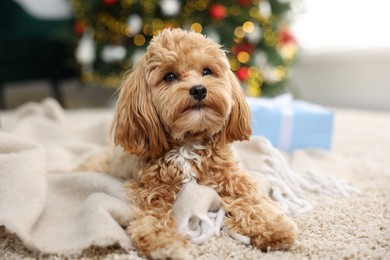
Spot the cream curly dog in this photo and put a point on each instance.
(178, 112)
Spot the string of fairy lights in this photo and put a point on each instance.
(113, 34)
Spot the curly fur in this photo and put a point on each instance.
(179, 138)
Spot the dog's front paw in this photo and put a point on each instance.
(157, 238)
(175, 250)
(159, 249)
(279, 235)
(264, 223)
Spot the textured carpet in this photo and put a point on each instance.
(356, 227)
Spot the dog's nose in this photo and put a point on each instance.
(198, 92)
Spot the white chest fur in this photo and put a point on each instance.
(185, 158)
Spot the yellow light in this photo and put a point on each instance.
(254, 12)
(148, 6)
(253, 72)
(243, 57)
(201, 5)
(126, 3)
(254, 86)
(173, 23)
(139, 40)
(234, 64)
(279, 73)
(269, 37)
(196, 27)
(248, 27)
(268, 33)
(157, 24)
(127, 32)
(288, 51)
(148, 29)
(235, 10)
(239, 32)
(253, 91)
(157, 31)
(237, 40)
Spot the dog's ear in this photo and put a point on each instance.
(136, 126)
(238, 127)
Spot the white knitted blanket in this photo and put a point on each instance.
(53, 210)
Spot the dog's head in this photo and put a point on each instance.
(182, 89)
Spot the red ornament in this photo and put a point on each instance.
(217, 11)
(109, 2)
(79, 28)
(242, 73)
(286, 37)
(244, 2)
(247, 47)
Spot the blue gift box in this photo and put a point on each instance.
(291, 124)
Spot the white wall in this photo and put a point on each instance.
(345, 53)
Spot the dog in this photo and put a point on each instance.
(178, 112)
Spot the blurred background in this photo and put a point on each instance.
(333, 53)
(345, 53)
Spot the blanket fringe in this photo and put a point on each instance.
(288, 187)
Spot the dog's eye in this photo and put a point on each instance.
(206, 72)
(170, 76)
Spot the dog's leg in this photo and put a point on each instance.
(96, 163)
(152, 229)
(253, 215)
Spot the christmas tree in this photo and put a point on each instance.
(113, 34)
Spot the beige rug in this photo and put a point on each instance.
(354, 227)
